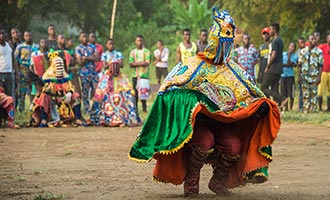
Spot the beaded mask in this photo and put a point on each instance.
(221, 37)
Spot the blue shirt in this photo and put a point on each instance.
(113, 56)
(288, 71)
(87, 50)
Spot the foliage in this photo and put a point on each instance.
(296, 18)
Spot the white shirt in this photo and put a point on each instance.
(163, 58)
(6, 62)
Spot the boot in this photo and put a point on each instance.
(220, 174)
(320, 99)
(328, 104)
(194, 166)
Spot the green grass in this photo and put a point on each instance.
(48, 196)
(320, 118)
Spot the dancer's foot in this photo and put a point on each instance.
(219, 188)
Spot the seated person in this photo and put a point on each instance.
(114, 101)
(58, 103)
(7, 109)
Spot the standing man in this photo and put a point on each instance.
(301, 45)
(139, 60)
(15, 38)
(161, 60)
(26, 76)
(325, 77)
(247, 56)
(290, 60)
(86, 55)
(309, 74)
(202, 42)
(274, 67)
(99, 49)
(60, 40)
(73, 69)
(6, 65)
(51, 41)
(263, 54)
(186, 49)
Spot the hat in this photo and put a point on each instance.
(265, 30)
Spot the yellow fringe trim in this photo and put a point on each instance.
(266, 155)
(139, 160)
(176, 149)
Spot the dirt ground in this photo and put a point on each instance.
(92, 163)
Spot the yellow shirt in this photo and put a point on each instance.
(187, 53)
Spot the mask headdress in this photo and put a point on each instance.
(57, 67)
(221, 37)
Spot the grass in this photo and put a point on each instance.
(320, 118)
(48, 196)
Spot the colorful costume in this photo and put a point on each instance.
(58, 103)
(114, 101)
(6, 109)
(210, 111)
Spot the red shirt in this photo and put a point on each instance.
(326, 56)
(99, 64)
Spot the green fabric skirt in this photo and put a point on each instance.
(168, 126)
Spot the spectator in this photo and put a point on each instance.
(23, 54)
(263, 54)
(139, 60)
(15, 38)
(290, 60)
(73, 70)
(325, 77)
(310, 69)
(6, 65)
(86, 55)
(247, 56)
(274, 67)
(7, 108)
(186, 49)
(60, 40)
(51, 41)
(317, 37)
(99, 49)
(301, 45)
(161, 61)
(202, 42)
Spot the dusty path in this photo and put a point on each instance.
(91, 163)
